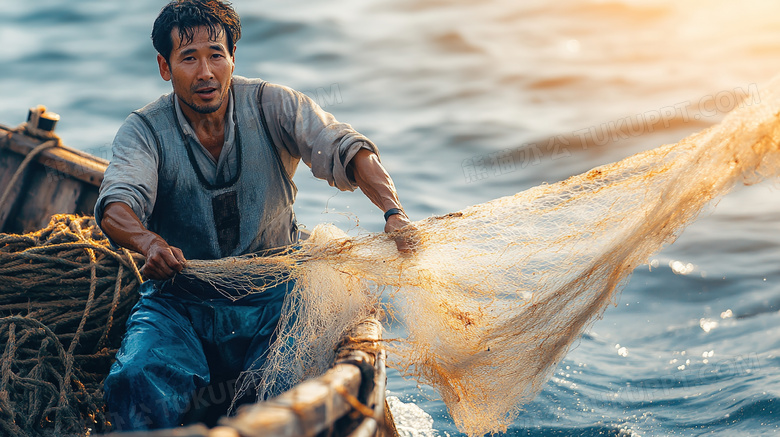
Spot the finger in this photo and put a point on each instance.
(171, 261)
(159, 267)
(396, 222)
(179, 255)
(406, 240)
(402, 245)
(404, 233)
(413, 240)
(150, 272)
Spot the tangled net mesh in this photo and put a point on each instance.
(65, 298)
(495, 295)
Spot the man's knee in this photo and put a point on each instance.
(142, 396)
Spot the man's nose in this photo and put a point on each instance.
(204, 69)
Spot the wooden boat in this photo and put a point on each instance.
(40, 177)
(57, 179)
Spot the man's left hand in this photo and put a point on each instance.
(405, 232)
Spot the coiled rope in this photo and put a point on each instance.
(65, 295)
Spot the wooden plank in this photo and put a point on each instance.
(43, 197)
(187, 431)
(315, 405)
(87, 200)
(380, 424)
(59, 180)
(9, 163)
(388, 428)
(304, 411)
(62, 161)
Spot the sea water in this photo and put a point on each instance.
(469, 101)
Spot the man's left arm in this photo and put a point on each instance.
(376, 184)
(334, 151)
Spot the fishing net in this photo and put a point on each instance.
(65, 295)
(495, 295)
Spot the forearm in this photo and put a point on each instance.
(376, 184)
(374, 181)
(120, 223)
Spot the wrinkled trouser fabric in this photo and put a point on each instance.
(178, 343)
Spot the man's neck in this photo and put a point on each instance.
(212, 122)
(209, 128)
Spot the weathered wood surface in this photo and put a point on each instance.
(348, 400)
(59, 180)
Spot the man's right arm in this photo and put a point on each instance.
(121, 225)
(127, 197)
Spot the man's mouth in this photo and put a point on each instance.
(206, 91)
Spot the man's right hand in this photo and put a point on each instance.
(162, 260)
(122, 225)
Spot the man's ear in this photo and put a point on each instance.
(165, 69)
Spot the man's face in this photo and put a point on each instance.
(199, 71)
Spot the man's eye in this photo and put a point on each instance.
(189, 58)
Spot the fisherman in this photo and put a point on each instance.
(205, 173)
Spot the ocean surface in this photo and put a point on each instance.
(444, 87)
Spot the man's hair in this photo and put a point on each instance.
(186, 15)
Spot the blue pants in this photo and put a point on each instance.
(183, 353)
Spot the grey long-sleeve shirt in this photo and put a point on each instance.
(299, 128)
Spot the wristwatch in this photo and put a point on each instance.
(393, 211)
